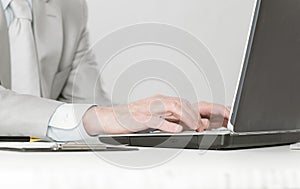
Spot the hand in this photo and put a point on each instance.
(158, 112)
(213, 115)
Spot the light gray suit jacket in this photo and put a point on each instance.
(68, 71)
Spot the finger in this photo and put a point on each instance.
(183, 112)
(193, 113)
(206, 125)
(180, 109)
(228, 108)
(208, 110)
(225, 122)
(172, 119)
(227, 113)
(163, 125)
(217, 114)
(190, 109)
(214, 124)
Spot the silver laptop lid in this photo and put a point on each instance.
(268, 94)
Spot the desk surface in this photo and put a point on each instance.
(276, 167)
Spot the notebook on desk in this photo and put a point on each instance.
(266, 105)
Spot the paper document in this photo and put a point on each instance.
(24, 145)
(53, 146)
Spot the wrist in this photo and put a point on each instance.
(91, 122)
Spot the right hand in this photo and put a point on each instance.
(164, 113)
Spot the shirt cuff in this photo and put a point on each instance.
(66, 123)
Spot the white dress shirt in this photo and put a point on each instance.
(66, 122)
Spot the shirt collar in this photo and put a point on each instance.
(5, 3)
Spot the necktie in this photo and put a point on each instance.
(24, 62)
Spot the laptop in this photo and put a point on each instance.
(266, 108)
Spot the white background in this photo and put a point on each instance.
(221, 25)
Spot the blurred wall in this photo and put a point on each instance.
(222, 26)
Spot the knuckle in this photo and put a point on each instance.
(184, 102)
(187, 103)
(176, 104)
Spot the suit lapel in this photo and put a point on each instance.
(49, 40)
(5, 73)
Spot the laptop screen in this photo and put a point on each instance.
(269, 91)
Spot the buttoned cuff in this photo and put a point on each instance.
(66, 123)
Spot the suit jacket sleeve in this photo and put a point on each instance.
(83, 84)
(25, 115)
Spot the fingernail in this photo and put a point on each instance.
(200, 130)
(195, 126)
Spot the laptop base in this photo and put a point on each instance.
(212, 142)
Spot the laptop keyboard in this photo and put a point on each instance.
(221, 130)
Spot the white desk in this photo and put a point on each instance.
(276, 167)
